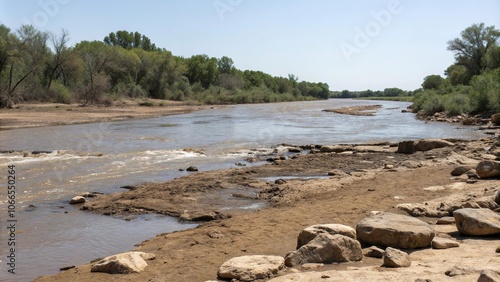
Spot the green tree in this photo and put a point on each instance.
(473, 45)
(130, 40)
(22, 60)
(59, 58)
(458, 74)
(225, 65)
(202, 69)
(98, 59)
(433, 82)
(393, 92)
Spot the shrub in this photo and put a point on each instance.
(60, 94)
(457, 104)
(485, 92)
(428, 102)
(130, 90)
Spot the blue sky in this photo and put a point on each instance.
(355, 45)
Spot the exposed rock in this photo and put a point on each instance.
(459, 170)
(443, 243)
(411, 164)
(373, 252)
(388, 166)
(406, 147)
(310, 266)
(326, 248)
(201, 215)
(460, 270)
(294, 150)
(472, 174)
(495, 119)
(131, 262)
(419, 210)
(250, 268)
(410, 147)
(488, 169)
(477, 222)
(192, 168)
(489, 275)
(446, 220)
(280, 181)
(396, 258)
(309, 233)
(334, 149)
(430, 144)
(394, 230)
(77, 200)
(336, 172)
(64, 268)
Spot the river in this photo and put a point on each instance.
(102, 157)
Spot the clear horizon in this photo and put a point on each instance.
(356, 45)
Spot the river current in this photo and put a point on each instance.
(102, 157)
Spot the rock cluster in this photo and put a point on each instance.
(337, 243)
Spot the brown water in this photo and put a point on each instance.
(102, 157)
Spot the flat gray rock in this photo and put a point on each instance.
(443, 243)
(394, 230)
(477, 222)
(250, 268)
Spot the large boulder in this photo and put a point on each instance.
(488, 169)
(394, 230)
(250, 268)
(309, 233)
(125, 263)
(497, 197)
(326, 248)
(477, 222)
(396, 258)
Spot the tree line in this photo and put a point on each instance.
(40, 66)
(471, 85)
(387, 92)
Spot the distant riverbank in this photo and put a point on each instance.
(46, 114)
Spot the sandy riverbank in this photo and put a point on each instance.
(362, 179)
(36, 115)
